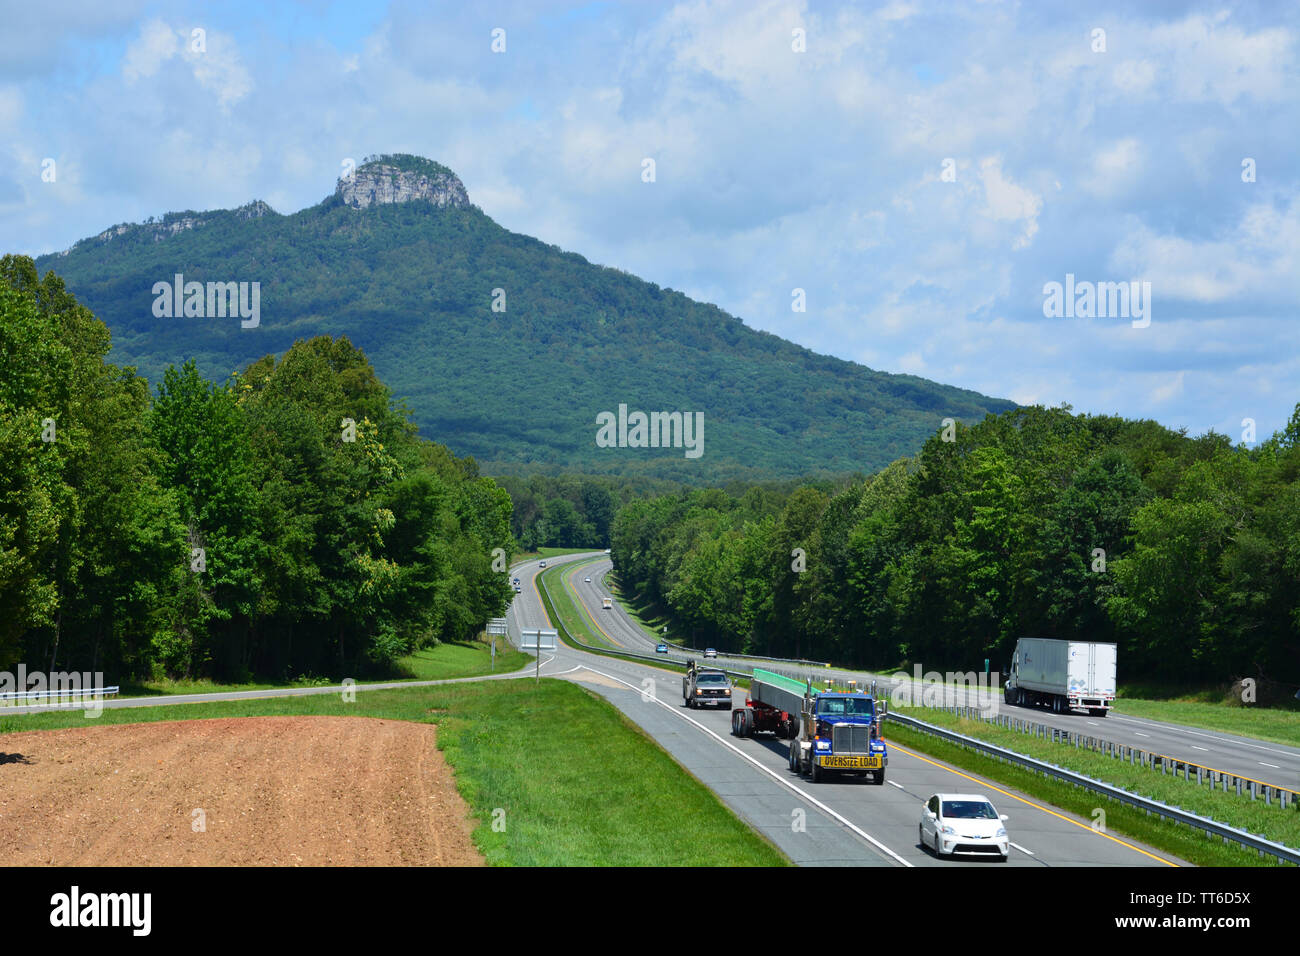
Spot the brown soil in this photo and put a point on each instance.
(274, 791)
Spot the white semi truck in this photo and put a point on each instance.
(1062, 675)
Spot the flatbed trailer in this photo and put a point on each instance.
(829, 731)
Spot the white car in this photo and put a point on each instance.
(587, 580)
(965, 823)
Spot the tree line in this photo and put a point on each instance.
(288, 521)
(1185, 551)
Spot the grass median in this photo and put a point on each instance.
(578, 783)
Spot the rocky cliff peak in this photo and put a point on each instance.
(398, 178)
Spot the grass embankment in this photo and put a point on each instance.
(600, 793)
(448, 661)
(443, 662)
(562, 605)
(1273, 822)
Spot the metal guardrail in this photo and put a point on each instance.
(1228, 834)
(750, 657)
(1138, 757)
(36, 696)
(614, 652)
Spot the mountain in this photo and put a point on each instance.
(505, 348)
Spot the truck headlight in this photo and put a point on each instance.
(1002, 831)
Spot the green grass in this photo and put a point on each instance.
(563, 607)
(1121, 821)
(447, 661)
(598, 793)
(1273, 822)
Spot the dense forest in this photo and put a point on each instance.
(515, 379)
(1185, 551)
(288, 521)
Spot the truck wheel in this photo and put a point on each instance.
(879, 778)
(794, 758)
(735, 727)
(746, 723)
(817, 772)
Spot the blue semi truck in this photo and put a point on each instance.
(830, 731)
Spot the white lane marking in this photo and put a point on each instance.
(1206, 749)
(1273, 765)
(562, 673)
(1021, 848)
(898, 785)
(1174, 728)
(1140, 734)
(1091, 723)
(767, 770)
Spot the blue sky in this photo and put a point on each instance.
(776, 169)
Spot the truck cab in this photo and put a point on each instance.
(840, 732)
(705, 686)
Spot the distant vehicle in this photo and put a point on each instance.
(518, 589)
(607, 551)
(1062, 675)
(587, 579)
(661, 648)
(710, 652)
(705, 685)
(607, 604)
(966, 823)
(541, 564)
(516, 581)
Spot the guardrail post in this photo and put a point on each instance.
(1254, 790)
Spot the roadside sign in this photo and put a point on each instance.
(497, 627)
(537, 639)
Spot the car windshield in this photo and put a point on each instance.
(968, 810)
(710, 678)
(845, 707)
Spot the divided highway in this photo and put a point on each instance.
(1262, 760)
(844, 822)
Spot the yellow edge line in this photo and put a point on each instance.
(573, 593)
(1030, 803)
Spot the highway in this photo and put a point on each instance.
(1262, 760)
(842, 822)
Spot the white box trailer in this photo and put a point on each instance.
(1062, 675)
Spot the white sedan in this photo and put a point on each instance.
(963, 823)
(587, 580)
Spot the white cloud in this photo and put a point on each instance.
(1004, 200)
(156, 44)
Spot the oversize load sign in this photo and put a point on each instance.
(851, 763)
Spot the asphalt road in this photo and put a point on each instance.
(846, 821)
(1262, 760)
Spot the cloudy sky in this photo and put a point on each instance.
(920, 170)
